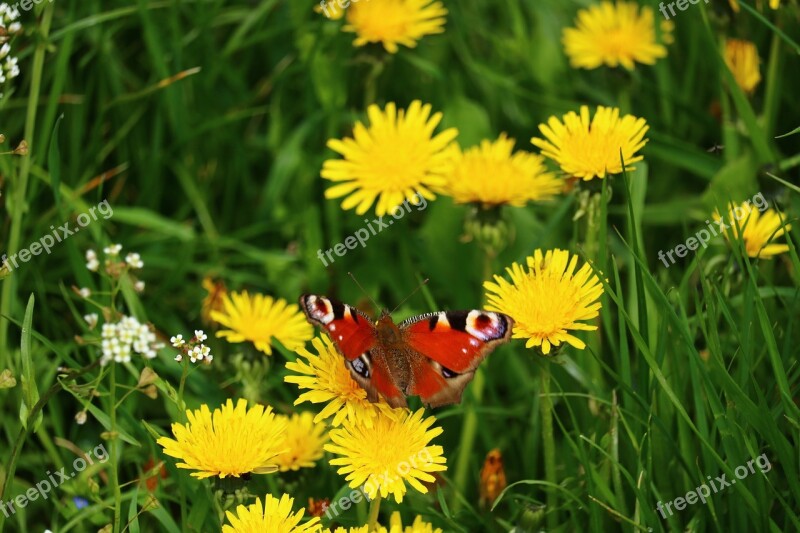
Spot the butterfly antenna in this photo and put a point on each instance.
(412, 294)
(377, 307)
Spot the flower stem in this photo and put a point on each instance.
(470, 427)
(548, 444)
(115, 449)
(20, 185)
(181, 403)
(468, 433)
(374, 508)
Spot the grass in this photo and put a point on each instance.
(204, 125)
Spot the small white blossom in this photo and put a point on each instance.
(8, 27)
(194, 349)
(126, 337)
(85, 292)
(91, 320)
(113, 250)
(134, 260)
(139, 286)
(91, 261)
(80, 418)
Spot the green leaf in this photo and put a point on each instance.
(54, 164)
(30, 393)
(133, 514)
(796, 130)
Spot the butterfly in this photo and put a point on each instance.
(432, 356)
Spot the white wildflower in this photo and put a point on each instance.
(91, 261)
(127, 337)
(134, 260)
(91, 320)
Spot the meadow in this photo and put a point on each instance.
(620, 185)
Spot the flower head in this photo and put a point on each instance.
(125, 337)
(91, 320)
(134, 261)
(515, 178)
(231, 441)
(758, 229)
(302, 440)
(418, 526)
(274, 516)
(328, 380)
(615, 34)
(391, 161)
(261, 319)
(9, 25)
(92, 263)
(395, 450)
(742, 58)
(394, 22)
(588, 149)
(548, 300)
(395, 526)
(194, 349)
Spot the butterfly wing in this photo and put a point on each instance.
(449, 346)
(354, 335)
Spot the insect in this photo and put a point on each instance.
(432, 356)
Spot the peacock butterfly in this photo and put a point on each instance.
(432, 356)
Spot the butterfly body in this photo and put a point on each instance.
(432, 356)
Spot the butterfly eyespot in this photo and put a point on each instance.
(447, 373)
(360, 365)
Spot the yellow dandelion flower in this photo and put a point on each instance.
(329, 381)
(274, 516)
(397, 158)
(742, 58)
(395, 526)
(261, 319)
(490, 174)
(394, 22)
(615, 34)
(395, 450)
(418, 526)
(758, 229)
(548, 300)
(229, 442)
(587, 149)
(302, 440)
(360, 529)
(773, 4)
